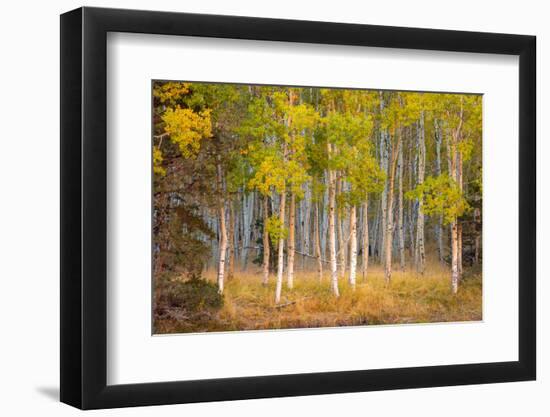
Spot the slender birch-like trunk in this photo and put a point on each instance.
(389, 220)
(453, 160)
(410, 211)
(454, 226)
(439, 225)
(305, 225)
(459, 254)
(459, 231)
(365, 264)
(223, 230)
(454, 256)
(231, 240)
(265, 238)
(384, 199)
(318, 243)
(290, 255)
(353, 246)
(374, 246)
(280, 254)
(384, 146)
(323, 220)
(331, 227)
(280, 260)
(400, 226)
(246, 221)
(420, 251)
(341, 241)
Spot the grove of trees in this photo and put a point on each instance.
(279, 180)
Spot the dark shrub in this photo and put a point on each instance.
(193, 295)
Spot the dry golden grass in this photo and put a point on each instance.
(410, 298)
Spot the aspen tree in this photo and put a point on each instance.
(265, 241)
(350, 153)
(365, 241)
(400, 225)
(420, 256)
(223, 229)
(439, 226)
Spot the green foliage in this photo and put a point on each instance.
(441, 196)
(347, 128)
(276, 229)
(279, 130)
(466, 147)
(269, 169)
(317, 189)
(259, 258)
(364, 175)
(344, 131)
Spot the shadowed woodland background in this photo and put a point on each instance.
(279, 207)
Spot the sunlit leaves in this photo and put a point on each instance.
(441, 196)
(279, 130)
(364, 174)
(269, 172)
(157, 163)
(276, 229)
(170, 92)
(347, 129)
(187, 129)
(283, 139)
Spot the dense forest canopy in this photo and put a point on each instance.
(280, 179)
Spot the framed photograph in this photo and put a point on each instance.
(258, 208)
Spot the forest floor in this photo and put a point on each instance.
(410, 298)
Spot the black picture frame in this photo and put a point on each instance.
(84, 207)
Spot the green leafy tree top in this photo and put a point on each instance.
(441, 196)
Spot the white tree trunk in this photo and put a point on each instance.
(400, 226)
(353, 246)
(389, 220)
(324, 219)
(305, 224)
(248, 206)
(439, 226)
(265, 237)
(231, 242)
(318, 244)
(290, 255)
(420, 251)
(341, 240)
(332, 231)
(384, 199)
(384, 155)
(223, 230)
(280, 254)
(410, 211)
(459, 243)
(365, 240)
(454, 257)
(453, 161)
(459, 231)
